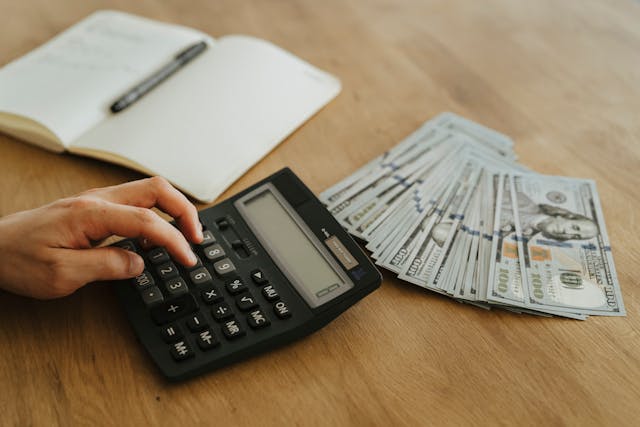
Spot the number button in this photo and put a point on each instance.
(224, 267)
(167, 271)
(176, 287)
(221, 311)
(236, 286)
(214, 252)
(270, 293)
(200, 276)
(144, 280)
(207, 238)
(246, 302)
(281, 310)
(127, 245)
(257, 319)
(211, 295)
(158, 256)
(206, 340)
(151, 296)
(181, 350)
(232, 329)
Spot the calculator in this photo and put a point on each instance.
(274, 266)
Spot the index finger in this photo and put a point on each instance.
(156, 192)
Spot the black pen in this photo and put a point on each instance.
(180, 60)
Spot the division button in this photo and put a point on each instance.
(281, 309)
(258, 277)
(232, 329)
(173, 309)
(211, 294)
(221, 311)
(151, 296)
(176, 287)
(214, 252)
(224, 267)
(257, 319)
(201, 276)
(172, 333)
(270, 293)
(158, 256)
(181, 350)
(144, 280)
(206, 340)
(236, 286)
(196, 322)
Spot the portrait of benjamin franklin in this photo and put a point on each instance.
(551, 222)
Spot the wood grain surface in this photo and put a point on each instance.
(562, 78)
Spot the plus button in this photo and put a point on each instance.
(173, 308)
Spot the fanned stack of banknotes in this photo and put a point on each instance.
(449, 209)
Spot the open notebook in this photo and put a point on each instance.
(201, 128)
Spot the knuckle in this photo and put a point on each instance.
(160, 184)
(146, 217)
(59, 277)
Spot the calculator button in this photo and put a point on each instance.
(281, 309)
(258, 277)
(176, 287)
(200, 276)
(158, 256)
(196, 322)
(207, 238)
(144, 280)
(181, 350)
(221, 311)
(236, 286)
(246, 302)
(151, 296)
(206, 340)
(224, 267)
(222, 224)
(211, 294)
(173, 309)
(257, 319)
(172, 333)
(127, 245)
(270, 293)
(198, 263)
(214, 252)
(232, 329)
(167, 271)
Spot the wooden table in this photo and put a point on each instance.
(561, 77)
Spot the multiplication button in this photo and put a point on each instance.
(211, 295)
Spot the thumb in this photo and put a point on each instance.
(108, 263)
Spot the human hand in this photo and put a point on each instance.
(47, 252)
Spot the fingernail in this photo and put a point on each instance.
(136, 264)
(192, 258)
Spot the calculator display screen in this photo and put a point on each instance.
(293, 246)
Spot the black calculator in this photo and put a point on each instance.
(274, 267)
